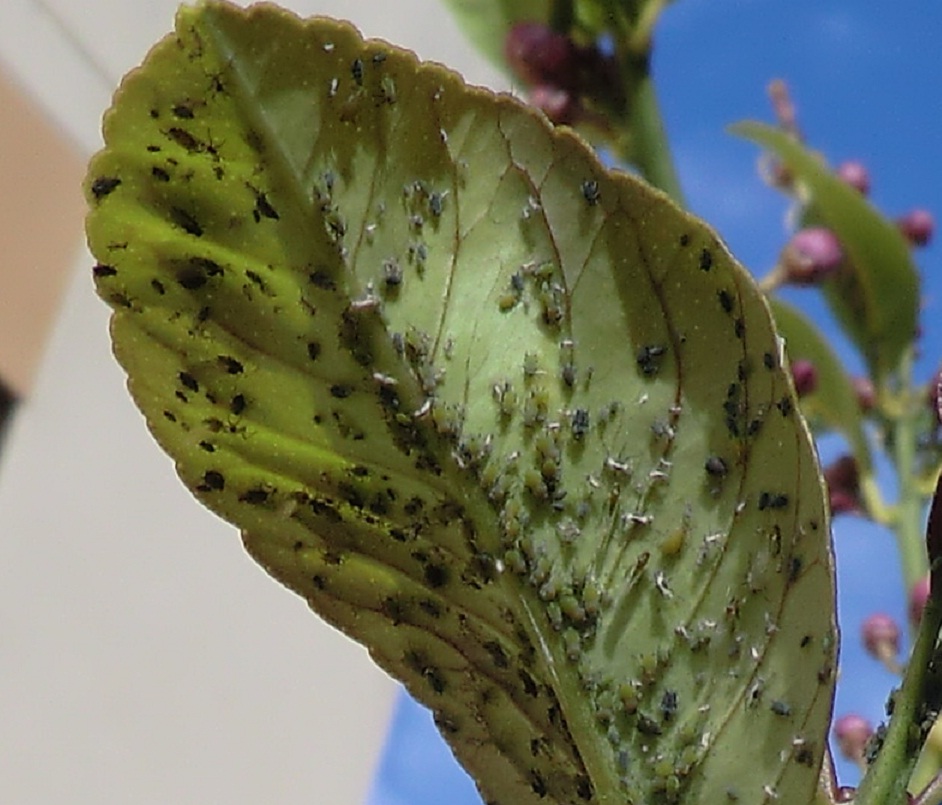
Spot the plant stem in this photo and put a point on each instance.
(650, 149)
(887, 777)
(644, 25)
(909, 509)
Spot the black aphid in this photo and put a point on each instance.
(591, 192)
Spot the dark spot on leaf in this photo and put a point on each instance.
(739, 328)
(769, 360)
(263, 208)
(237, 404)
(104, 271)
(324, 509)
(584, 788)
(158, 286)
(414, 506)
(785, 406)
(183, 111)
(538, 784)
(184, 139)
(254, 497)
(313, 350)
(189, 381)
(706, 260)
(103, 186)
(805, 641)
(770, 500)
(185, 221)
(209, 447)
(436, 575)
(726, 300)
(430, 608)
(529, 686)
(341, 392)
(256, 280)
(804, 755)
(318, 582)
(393, 609)
(322, 280)
(230, 364)
(195, 272)
(794, 568)
(647, 725)
(212, 481)
(497, 653)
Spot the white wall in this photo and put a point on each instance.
(143, 657)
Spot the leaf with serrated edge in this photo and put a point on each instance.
(833, 402)
(876, 299)
(515, 422)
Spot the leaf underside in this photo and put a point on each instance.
(513, 421)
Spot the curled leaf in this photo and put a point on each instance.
(876, 296)
(515, 422)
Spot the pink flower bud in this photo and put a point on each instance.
(810, 256)
(917, 226)
(559, 105)
(866, 393)
(843, 481)
(918, 596)
(805, 377)
(880, 634)
(538, 55)
(852, 733)
(856, 175)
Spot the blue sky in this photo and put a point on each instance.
(865, 76)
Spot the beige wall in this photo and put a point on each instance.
(40, 216)
(143, 657)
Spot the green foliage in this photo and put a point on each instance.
(876, 295)
(515, 422)
(833, 404)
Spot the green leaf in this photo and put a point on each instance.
(516, 423)
(833, 403)
(876, 296)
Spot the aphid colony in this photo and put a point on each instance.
(552, 461)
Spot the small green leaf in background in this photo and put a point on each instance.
(876, 296)
(833, 403)
(515, 422)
